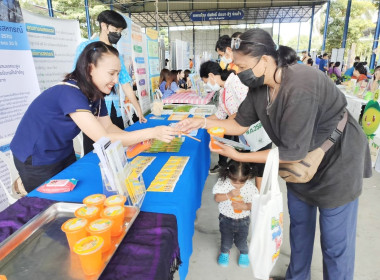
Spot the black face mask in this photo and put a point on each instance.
(249, 79)
(114, 37)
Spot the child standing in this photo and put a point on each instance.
(233, 192)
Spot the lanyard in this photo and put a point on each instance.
(224, 102)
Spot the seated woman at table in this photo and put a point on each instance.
(232, 94)
(181, 79)
(336, 69)
(360, 73)
(373, 85)
(43, 143)
(187, 78)
(171, 85)
(162, 81)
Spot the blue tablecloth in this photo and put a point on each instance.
(183, 202)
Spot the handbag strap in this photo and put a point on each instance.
(336, 133)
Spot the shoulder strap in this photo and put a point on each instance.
(68, 84)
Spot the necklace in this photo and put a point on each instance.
(270, 98)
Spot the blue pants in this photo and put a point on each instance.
(234, 231)
(338, 232)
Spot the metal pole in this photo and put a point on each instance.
(193, 42)
(156, 4)
(348, 12)
(326, 25)
(279, 29)
(311, 27)
(299, 32)
(111, 5)
(50, 8)
(375, 41)
(87, 19)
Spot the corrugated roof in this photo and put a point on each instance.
(177, 13)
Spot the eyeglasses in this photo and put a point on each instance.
(236, 42)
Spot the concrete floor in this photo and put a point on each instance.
(206, 239)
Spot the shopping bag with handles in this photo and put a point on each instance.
(266, 220)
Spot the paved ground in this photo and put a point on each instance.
(206, 240)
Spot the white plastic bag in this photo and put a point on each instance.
(266, 221)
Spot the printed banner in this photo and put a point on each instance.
(53, 43)
(140, 63)
(154, 60)
(217, 15)
(18, 79)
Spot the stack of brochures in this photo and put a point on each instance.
(117, 174)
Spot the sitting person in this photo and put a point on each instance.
(187, 72)
(163, 77)
(336, 69)
(181, 79)
(331, 66)
(350, 71)
(373, 85)
(360, 73)
(171, 85)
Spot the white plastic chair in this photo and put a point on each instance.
(14, 177)
(78, 144)
(129, 110)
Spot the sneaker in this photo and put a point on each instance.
(215, 169)
(224, 259)
(243, 260)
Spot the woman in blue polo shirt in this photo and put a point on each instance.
(43, 146)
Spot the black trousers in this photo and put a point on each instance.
(118, 121)
(32, 176)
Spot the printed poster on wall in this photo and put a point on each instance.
(18, 79)
(139, 55)
(53, 44)
(154, 60)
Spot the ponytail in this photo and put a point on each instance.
(226, 73)
(214, 68)
(286, 56)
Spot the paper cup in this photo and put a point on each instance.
(90, 254)
(216, 131)
(75, 230)
(116, 214)
(102, 228)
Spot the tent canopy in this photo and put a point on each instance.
(178, 12)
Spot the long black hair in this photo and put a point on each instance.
(258, 42)
(81, 74)
(214, 68)
(238, 171)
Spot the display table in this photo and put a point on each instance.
(190, 97)
(151, 232)
(183, 202)
(354, 103)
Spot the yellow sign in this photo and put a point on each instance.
(151, 33)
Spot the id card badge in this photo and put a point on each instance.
(256, 137)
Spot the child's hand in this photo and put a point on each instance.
(234, 192)
(239, 205)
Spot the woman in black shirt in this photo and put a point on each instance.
(300, 107)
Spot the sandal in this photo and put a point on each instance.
(243, 260)
(224, 259)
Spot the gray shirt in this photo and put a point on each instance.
(305, 112)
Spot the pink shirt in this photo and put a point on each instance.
(231, 97)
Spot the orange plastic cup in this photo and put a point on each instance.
(91, 213)
(102, 228)
(237, 199)
(114, 200)
(216, 131)
(95, 200)
(116, 214)
(75, 229)
(90, 254)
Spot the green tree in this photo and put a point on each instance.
(359, 29)
(304, 43)
(69, 9)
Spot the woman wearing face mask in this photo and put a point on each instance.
(299, 116)
(231, 94)
(43, 146)
(111, 26)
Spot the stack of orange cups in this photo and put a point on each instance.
(102, 228)
(90, 213)
(216, 131)
(95, 200)
(116, 199)
(90, 254)
(75, 230)
(116, 214)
